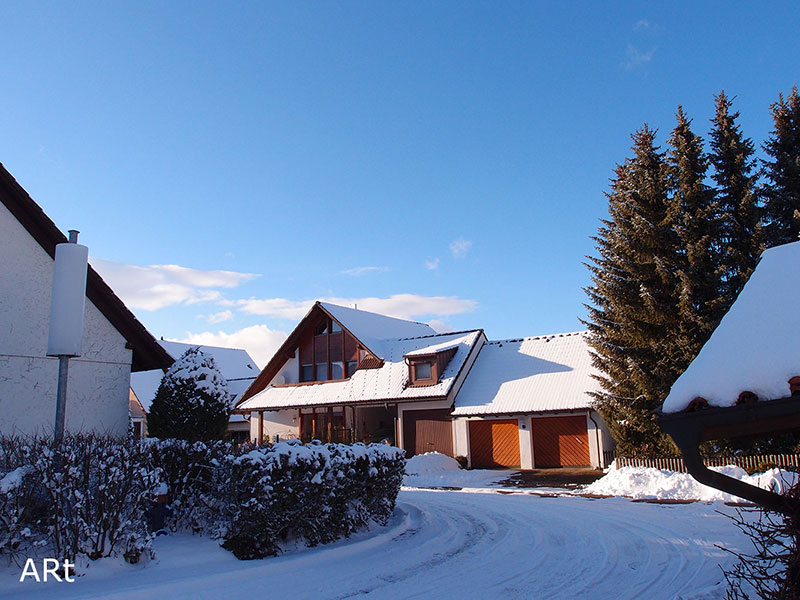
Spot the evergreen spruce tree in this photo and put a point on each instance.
(733, 165)
(782, 190)
(633, 301)
(698, 229)
(192, 403)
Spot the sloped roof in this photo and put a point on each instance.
(534, 374)
(235, 364)
(147, 354)
(372, 329)
(754, 348)
(387, 383)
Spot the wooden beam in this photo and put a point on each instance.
(260, 426)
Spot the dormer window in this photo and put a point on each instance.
(422, 370)
(427, 368)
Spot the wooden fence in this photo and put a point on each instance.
(748, 463)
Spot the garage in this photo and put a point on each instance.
(494, 443)
(560, 442)
(427, 431)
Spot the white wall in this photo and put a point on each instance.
(98, 383)
(276, 422)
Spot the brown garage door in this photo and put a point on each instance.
(427, 431)
(560, 442)
(494, 443)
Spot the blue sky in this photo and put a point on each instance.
(228, 163)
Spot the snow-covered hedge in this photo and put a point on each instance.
(86, 497)
(316, 493)
(91, 496)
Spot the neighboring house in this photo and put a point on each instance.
(114, 343)
(236, 365)
(345, 374)
(138, 416)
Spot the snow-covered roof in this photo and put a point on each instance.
(374, 330)
(534, 374)
(754, 348)
(235, 364)
(388, 383)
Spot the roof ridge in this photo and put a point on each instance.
(548, 336)
(421, 337)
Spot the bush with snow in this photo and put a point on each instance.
(316, 493)
(192, 403)
(86, 496)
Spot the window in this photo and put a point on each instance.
(422, 370)
(335, 327)
(322, 328)
(351, 365)
(307, 373)
(337, 370)
(322, 371)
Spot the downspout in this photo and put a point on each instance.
(600, 456)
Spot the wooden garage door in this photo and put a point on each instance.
(427, 431)
(494, 443)
(560, 442)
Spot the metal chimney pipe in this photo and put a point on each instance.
(73, 236)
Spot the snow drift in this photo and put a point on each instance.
(660, 484)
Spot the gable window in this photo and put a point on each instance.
(352, 366)
(322, 328)
(335, 327)
(422, 370)
(307, 373)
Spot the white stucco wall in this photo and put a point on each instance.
(276, 422)
(99, 380)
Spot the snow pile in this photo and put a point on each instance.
(754, 347)
(431, 462)
(648, 483)
(435, 470)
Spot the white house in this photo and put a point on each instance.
(346, 374)
(235, 364)
(114, 344)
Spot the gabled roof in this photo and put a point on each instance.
(370, 330)
(534, 374)
(389, 383)
(147, 354)
(754, 348)
(235, 364)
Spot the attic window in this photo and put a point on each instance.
(335, 327)
(422, 370)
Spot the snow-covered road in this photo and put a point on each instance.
(451, 545)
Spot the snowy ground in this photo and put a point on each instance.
(450, 544)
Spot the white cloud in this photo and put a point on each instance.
(641, 24)
(432, 265)
(635, 58)
(260, 341)
(358, 271)
(220, 317)
(440, 326)
(402, 306)
(152, 287)
(460, 247)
